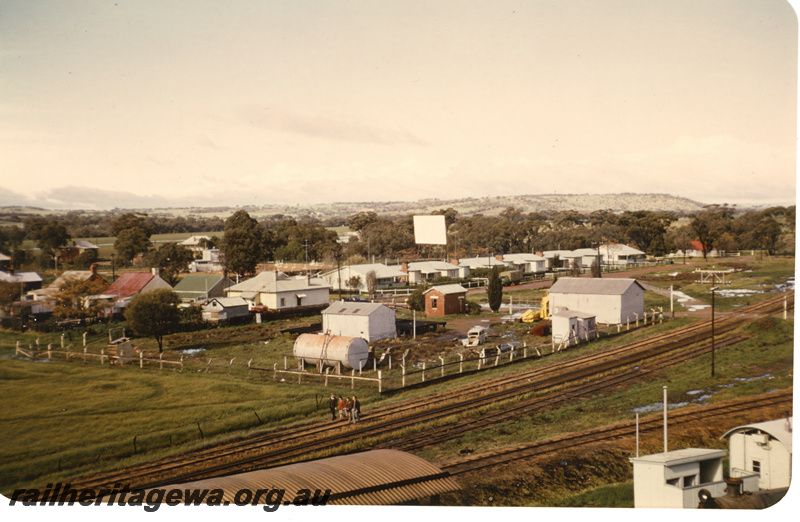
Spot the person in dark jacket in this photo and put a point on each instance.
(355, 410)
(334, 405)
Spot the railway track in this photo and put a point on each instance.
(504, 456)
(283, 445)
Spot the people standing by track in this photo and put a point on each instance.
(334, 406)
(355, 410)
(341, 408)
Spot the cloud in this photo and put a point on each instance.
(326, 128)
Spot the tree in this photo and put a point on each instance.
(48, 233)
(710, 224)
(495, 290)
(154, 314)
(416, 301)
(596, 270)
(130, 243)
(72, 299)
(245, 244)
(171, 259)
(130, 220)
(372, 283)
(354, 283)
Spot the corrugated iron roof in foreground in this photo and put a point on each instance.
(379, 477)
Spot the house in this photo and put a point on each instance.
(225, 309)
(589, 256)
(571, 327)
(69, 253)
(209, 261)
(567, 259)
(197, 287)
(528, 263)
(445, 300)
(278, 291)
(28, 280)
(195, 243)
(421, 271)
(673, 479)
(761, 453)
(130, 284)
(610, 300)
(43, 300)
(370, 321)
(619, 254)
(386, 277)
(483, 262)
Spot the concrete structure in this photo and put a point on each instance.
(386, 277)
(445, 300)
(370, 321)
(571, 327)
(528, 263)
(198, 287)
(277, 291)
(674, 479)
(225, 309)
(610, 300)
(762, 453)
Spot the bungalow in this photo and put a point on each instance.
(566, 258)
(69, 253)
(483, 262)
(197, 287)
(278, 291)
(225, 309)
(445, 300)
(28, 280)
(5, 261)
(619, 254)
(370, 321)
(209, 261)
(195, 243)
(129, 285)
(610, 300)
(590, 255)
(386, 276)
(43, 300)
(421, 271)
(528, 263)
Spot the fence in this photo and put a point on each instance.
(111, 357)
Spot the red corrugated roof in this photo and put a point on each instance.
(128, 284)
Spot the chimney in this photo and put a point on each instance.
(156, 271)
(499, 257)
(454, 260)
(93, 268)
(404, 267)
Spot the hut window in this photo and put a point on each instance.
(433, 302)
(757, 466)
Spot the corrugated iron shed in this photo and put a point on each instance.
(128, 284)
(379, 477)
(581, 285)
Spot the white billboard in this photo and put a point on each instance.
(430, 230)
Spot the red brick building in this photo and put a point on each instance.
(445, 300)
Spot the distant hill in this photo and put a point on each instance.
(490, 205)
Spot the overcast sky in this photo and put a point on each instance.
(161, 103)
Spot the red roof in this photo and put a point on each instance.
(129, 284)
(697, 245)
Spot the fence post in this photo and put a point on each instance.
(249, 368)
(352, 379)
(442, 359)
(181, 362)
(497, 359)
(374, 362)
(84, 338)
(326, 377)
(208, 365)
(49, 349)
(37, 343)
(231, 365)
(404, 376)
(525, 350)
(423, 372)
(141, 359)
(275, 372)
(102, 355)
(460, 363)
(390, 360)
(284, 363)
(62, 341)
(160, 360)
(380, 382)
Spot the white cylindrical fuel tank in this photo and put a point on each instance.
(352, 352)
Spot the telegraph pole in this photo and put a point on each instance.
(713, 290)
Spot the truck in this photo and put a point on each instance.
(511, 277)
(476, 336)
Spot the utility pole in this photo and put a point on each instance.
(713, 290)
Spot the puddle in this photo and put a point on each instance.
(748, 379)
(191, 351)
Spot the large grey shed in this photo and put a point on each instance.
(610, 300)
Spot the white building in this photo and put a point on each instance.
(421, 271)
(571, 327)
(589, 256)
(674, 479)
(277, 291)
(225, 309)
(528, 263)
(482, 262)
(370, 321)
(385, 276)
(568, 259)
(762, 451)
(610, 300)
(619, 254)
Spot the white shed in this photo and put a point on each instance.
(370, 321)
(610, 300)
(572, 327)
(674, 479)
(764, 450)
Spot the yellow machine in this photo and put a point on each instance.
(542, 314)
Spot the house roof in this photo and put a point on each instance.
(86, 245)
(780, 429)
(447, 289)
(573, 313)
(560, 253)
(20, 277)
(596, 286)
(72, 275)
(4, 257)
(682, 456)
(618, 249)
(193, 241)
(229, 302)
(349, 308)
(479, 262)
(197, 283)
(270, 282)
(381, 271)
(128, 284)
(522, 258)
(428, 267)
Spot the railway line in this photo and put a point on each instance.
(287, 444)
(504, 456)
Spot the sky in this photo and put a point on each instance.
(144, 104)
